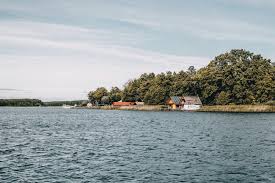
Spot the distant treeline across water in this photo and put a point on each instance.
(60, 103)
(21, 102)
(36, 102)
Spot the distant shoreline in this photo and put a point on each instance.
(259, 108)
(214, 108)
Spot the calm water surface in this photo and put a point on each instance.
(59, 145)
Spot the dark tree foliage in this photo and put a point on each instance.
(105, 100)
(21, 102)
(238, 77)
(96, 96)
(155, 89)
(60, 103)
(235, 77)
(131, 91)
(103, 96)
(115, 94)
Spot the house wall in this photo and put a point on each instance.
(191, 107)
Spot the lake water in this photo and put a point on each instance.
(59, 145)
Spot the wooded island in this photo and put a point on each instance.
(238, 77)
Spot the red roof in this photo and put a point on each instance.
(123, 103)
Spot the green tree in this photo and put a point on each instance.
(115, 94)
(223, 98)
(91, 97)
(155, 95)
(246, 77)
(130, 92)
(96, 96)
(21, 102)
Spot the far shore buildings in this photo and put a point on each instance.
(188, 103)
(175, 102)
(192, 103)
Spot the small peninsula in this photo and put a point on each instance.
(235, 81)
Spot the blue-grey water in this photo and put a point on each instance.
(59, 145)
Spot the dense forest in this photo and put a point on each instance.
(21, 102)
(235, 77)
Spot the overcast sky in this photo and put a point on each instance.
(61, 49)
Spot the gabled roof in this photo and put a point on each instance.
(176, 100)
(192, 100)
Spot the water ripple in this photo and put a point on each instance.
(57, 145)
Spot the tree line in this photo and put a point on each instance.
(37, 102)
(235, 77)
(21, 102)
(60, 103)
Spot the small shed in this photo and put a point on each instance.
(175, 102)
(191, 103)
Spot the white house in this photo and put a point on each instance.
(191, 103)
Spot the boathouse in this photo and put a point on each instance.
(191, 103)
(175, 102)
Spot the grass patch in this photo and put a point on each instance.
(238, 108)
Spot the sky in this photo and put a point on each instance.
(62, 49)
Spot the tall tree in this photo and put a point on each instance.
(115, 94)
(245, 77)
(96, 96)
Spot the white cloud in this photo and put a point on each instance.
(101, 44)
(67, 66)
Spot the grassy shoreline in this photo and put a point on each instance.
(260, 108)
(239, 108)
(214, 108)
(133, 108)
